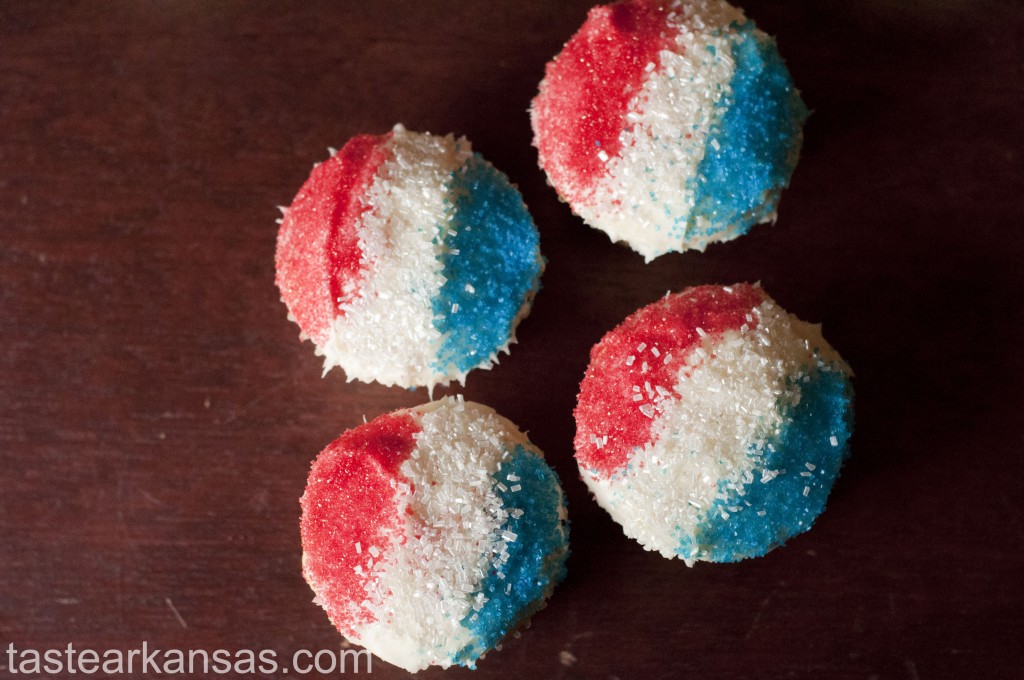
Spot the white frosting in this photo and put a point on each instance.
(425, 581)
(387, 333)
(647, 196)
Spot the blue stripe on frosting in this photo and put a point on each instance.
(491, 263)
(536, 559)
(825, 411)
(758, 136)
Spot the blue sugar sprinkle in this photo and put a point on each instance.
(496, 266)
(825, 410)
(758, 132)
(536, 558)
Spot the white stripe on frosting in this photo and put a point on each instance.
(452, 537)
(387, 333)
(647, 194)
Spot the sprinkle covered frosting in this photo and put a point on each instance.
(408, 259)
(720, 410)
(432, 533)
(669, 125)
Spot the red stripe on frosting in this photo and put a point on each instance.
(587, 88)
(318, 243)
(605, 405)
(351, 499)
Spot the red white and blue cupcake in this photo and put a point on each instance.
(669, 124)
(408, 259)
(430, 534)
(711, 424)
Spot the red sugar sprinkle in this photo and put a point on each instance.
(582, 105)
(348, 500)
(605, 406)
(317, 245)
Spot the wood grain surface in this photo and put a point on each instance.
(158, 413)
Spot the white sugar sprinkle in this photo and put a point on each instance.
(833, 440)
(406, 259)
(807, 490)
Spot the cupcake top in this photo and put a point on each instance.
(669, 125)
(431, 533)
(711, 424)
(408, 259)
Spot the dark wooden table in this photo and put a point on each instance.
(158, 413)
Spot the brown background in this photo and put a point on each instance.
(158, 413)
